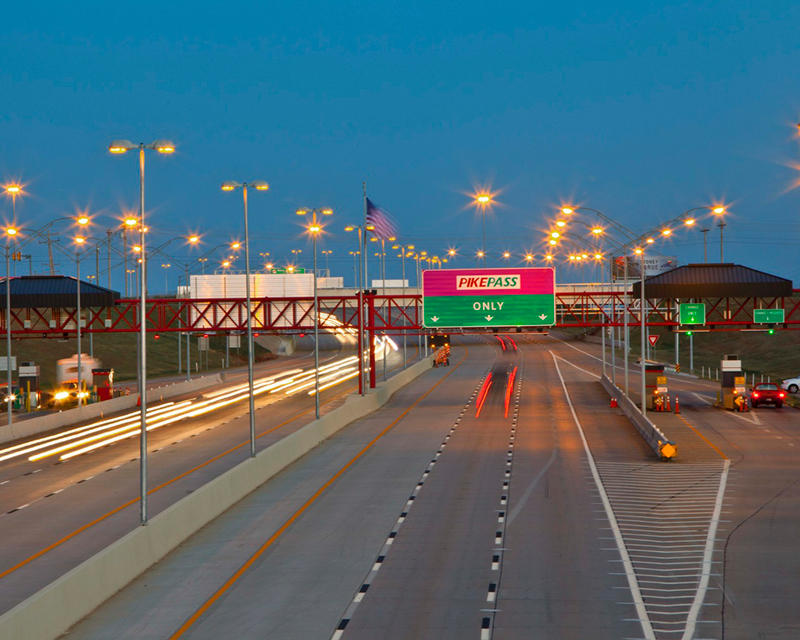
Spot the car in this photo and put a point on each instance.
(792, 385)
(766, 393)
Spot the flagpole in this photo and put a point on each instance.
(367, 372)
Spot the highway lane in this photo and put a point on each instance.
(300, 585)
(61, 498)
(408, 541)
(759, 547)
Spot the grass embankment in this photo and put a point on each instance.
(118, 351)
(776, 356)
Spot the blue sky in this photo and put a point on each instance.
(639, 109)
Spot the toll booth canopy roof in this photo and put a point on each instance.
(46, 292)
(719, 280)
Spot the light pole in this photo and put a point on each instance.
(119, 147)
(314, 229)
(10, 233)
(259, 185)
(483, 200)
(165, 266)
(327, 253)
(404, 252)
(643, 315)
(362, 251)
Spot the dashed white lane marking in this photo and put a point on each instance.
(387, 545)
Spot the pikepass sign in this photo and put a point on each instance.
(476, 298)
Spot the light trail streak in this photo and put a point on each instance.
(89, 438)
(79, 432)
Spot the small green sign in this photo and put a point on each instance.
(769, 316)
(280, 270)
(692, 313)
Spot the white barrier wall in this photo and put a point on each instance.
(53, 610)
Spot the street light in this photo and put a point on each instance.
(405, 251)
(314, 229)
(121, 147)
(483, 200)
(258, 185)
(10, 233)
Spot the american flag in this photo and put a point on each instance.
(384, 222)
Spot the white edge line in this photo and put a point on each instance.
(630, 575)
(691, 620)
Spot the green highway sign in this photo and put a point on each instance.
(692, 313)
(279, 270)
(769, 316)
(480, 298)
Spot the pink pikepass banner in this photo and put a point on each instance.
(506, 281)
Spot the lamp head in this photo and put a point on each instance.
(11, 231)
(689, 222)
(349, 227)
(327, 212)
(301, 212)
(164, 146)
(666, 232)
(80, 240)
(194, 239)
(236, 245)
(13, 189)
(719, 210)
(229, 185)
(121, 146)
(260, 185)
(597, 231)
(131, 222)
(567, 210)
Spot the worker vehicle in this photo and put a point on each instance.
(766, 393)
(792, 385)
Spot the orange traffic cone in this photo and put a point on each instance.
(139, 401)
(613, 403)
(677, 405)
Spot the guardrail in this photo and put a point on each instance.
(663, 447)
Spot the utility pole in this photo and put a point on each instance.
(704, 231)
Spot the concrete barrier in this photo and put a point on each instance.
(50, 421)
(54, 609)
(663, 447)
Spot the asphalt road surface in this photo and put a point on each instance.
(55, 514)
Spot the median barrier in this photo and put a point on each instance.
(50, 421)
(54, 609)
(663, 447)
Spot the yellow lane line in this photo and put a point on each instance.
(271, 540)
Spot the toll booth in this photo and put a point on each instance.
(29, 385)
(734, 389)
(103, 383)
(655, 387)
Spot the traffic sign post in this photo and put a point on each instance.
(692, 313)
(769, 316)
(485, 298)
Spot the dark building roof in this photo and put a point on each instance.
(46, 292)
(716, 280)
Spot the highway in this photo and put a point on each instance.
(420, 521)
(59, 510)
(425, 520)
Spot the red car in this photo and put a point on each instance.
(767, 393)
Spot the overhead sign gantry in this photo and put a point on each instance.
(488, 298)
